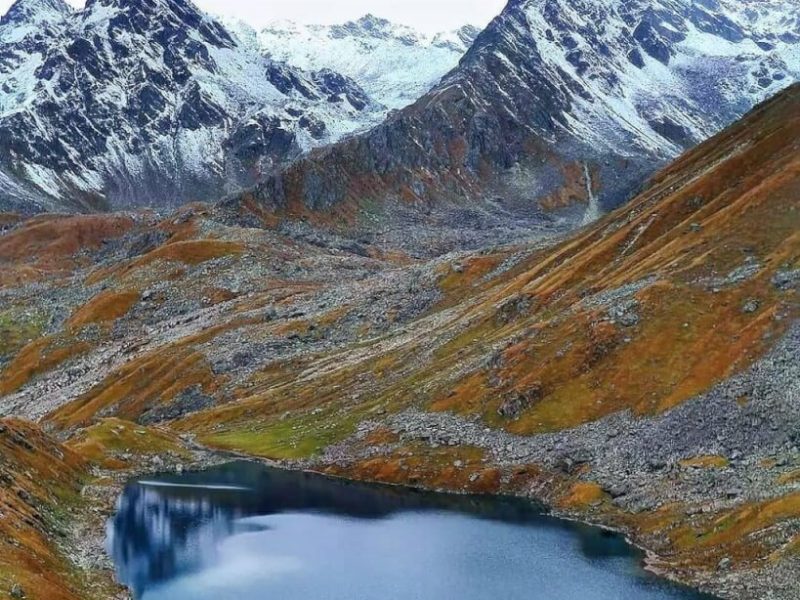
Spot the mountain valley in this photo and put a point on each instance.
(569, 371)
(560, 262)
(559, 111)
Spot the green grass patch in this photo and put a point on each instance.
(102, 441)
(19, 326)
(289, 439)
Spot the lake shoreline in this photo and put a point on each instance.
(102, 506)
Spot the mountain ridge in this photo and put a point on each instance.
(394, 63)
(549, 109)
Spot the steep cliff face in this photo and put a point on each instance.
(558, 104)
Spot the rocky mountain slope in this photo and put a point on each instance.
(559, 107)
(56, 498)
(641, 373)
(153, 103)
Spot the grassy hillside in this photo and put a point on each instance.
(39, 498)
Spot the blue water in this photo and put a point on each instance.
(246, 532)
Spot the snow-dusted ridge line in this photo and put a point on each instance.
(152, 102)
(646, 68)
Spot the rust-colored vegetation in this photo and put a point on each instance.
(692, 228)
(40, 488)
(583, 495)
(193, 252)
(150, 381)
(638, 312)
(37, 357)
(113, 443)
(49, 239)
(742, 535)
(190, 252)
(104, 309)
(459, 469)
(47, 245)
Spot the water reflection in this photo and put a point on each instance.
(250, 530)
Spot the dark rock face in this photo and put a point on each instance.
(191, 400)
(516, 403)
(338, 88)
(39, 11)
(261, 136)
(148, 102)
(556, 98)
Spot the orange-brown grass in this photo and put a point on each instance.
(51, 238)
(193, 252)
(583, 494)
(705, 462)
(9, 219)
(12, 276)
(469, 272)
(464, 470)
(49, 244)
(105, 308)
(789, 478)
(38, 357)
(215, 295)
(187, 252)
(110, 442)
(695, 221)
(151, 380)
(455, 469)
(741, 534)
(41, 486)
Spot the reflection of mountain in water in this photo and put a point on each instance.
(160, 531)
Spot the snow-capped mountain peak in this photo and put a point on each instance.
(394, 63)
(458, 40)
(635, 76)
(32, 18)
(565, 105)
(378, 28)
(36, 11)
